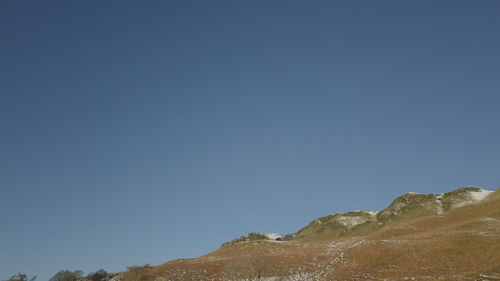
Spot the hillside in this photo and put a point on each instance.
(450, 236)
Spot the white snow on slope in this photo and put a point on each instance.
(372, 213)
(474, 197)
(351, 221)
(439, 204)
(480, 195)
(273, 236)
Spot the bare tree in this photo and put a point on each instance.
(138, 273)
(21, 277)
(67, 275)
(99, 275)
(252, 268)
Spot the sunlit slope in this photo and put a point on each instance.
(409, 206)
(457, 238)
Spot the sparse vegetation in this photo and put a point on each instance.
(67, 275)
(21, 277)
(192, 277)
(463, 243)
(253, 267)
(99, 275)
(138, 273)
(460, 243)
(254, 236)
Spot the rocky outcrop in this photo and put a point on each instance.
(408, 206)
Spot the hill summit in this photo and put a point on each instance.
(408, 206)
(446, 236)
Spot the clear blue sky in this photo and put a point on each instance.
(137, 132)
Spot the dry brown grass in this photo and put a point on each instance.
(459, 245)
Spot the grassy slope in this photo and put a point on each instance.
(462, 243)
(458, 245)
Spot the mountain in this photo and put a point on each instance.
(448, 236)
(406, 207)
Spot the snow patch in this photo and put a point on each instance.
(371, 213)
(473, 197)
(273, 236)
(349, 221)
(490, 220)
(480, 195)
(439, 204)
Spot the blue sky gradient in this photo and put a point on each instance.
(137, 132)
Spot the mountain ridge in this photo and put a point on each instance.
(409, 205)
(445, 236)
